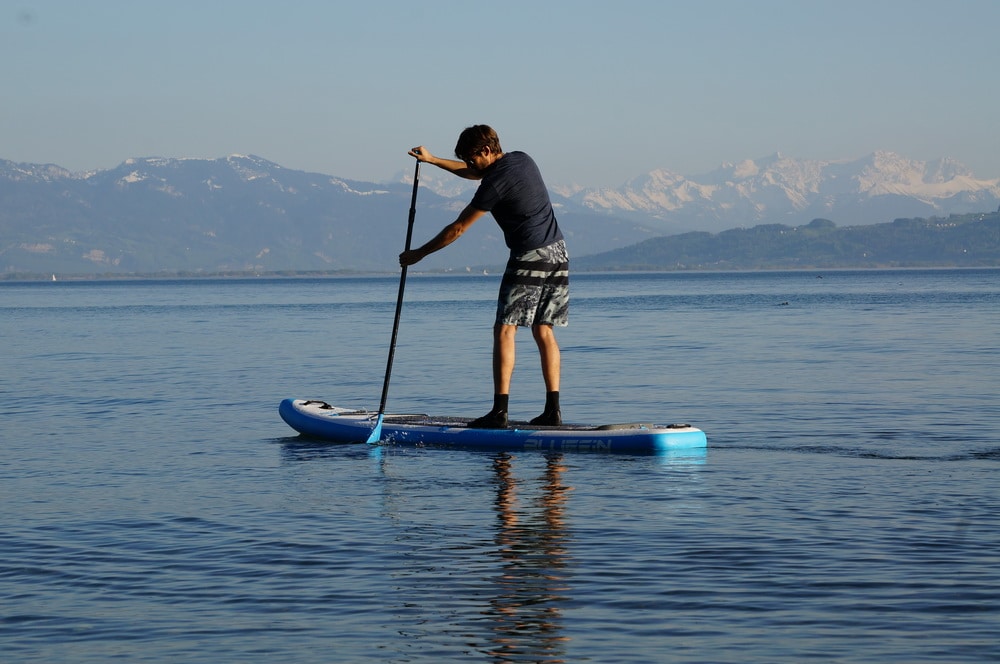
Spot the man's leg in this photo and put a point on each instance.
(503, 357)
(503, 369)
(548, 352)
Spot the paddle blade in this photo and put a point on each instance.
(376, 433)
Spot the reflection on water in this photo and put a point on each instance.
(523, 575)
(532, 581)
(686, 457)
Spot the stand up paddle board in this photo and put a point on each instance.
(318, 419)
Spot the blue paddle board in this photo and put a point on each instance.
(320, 420)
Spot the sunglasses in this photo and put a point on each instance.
(468, 158)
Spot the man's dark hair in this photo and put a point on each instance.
(473, 139)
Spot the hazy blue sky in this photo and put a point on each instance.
(597, 91)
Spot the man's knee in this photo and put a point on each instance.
(543, 333)
(501, 331)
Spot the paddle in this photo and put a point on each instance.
(376, 433)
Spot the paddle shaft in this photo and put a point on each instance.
(399, 298)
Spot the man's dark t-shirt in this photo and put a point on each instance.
(513, 191)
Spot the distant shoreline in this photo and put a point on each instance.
(351, 274)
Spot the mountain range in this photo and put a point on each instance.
(244, 213)
(781, 189)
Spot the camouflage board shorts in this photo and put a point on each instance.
(535, 288)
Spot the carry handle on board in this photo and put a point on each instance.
(376, 433)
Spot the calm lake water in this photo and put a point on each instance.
(156, 509)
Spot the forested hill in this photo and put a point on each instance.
(970, 240)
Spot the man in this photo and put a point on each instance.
(534, 291)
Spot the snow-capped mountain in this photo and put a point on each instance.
(782, 189)
(238, 213)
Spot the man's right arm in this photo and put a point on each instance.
(448, 234)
